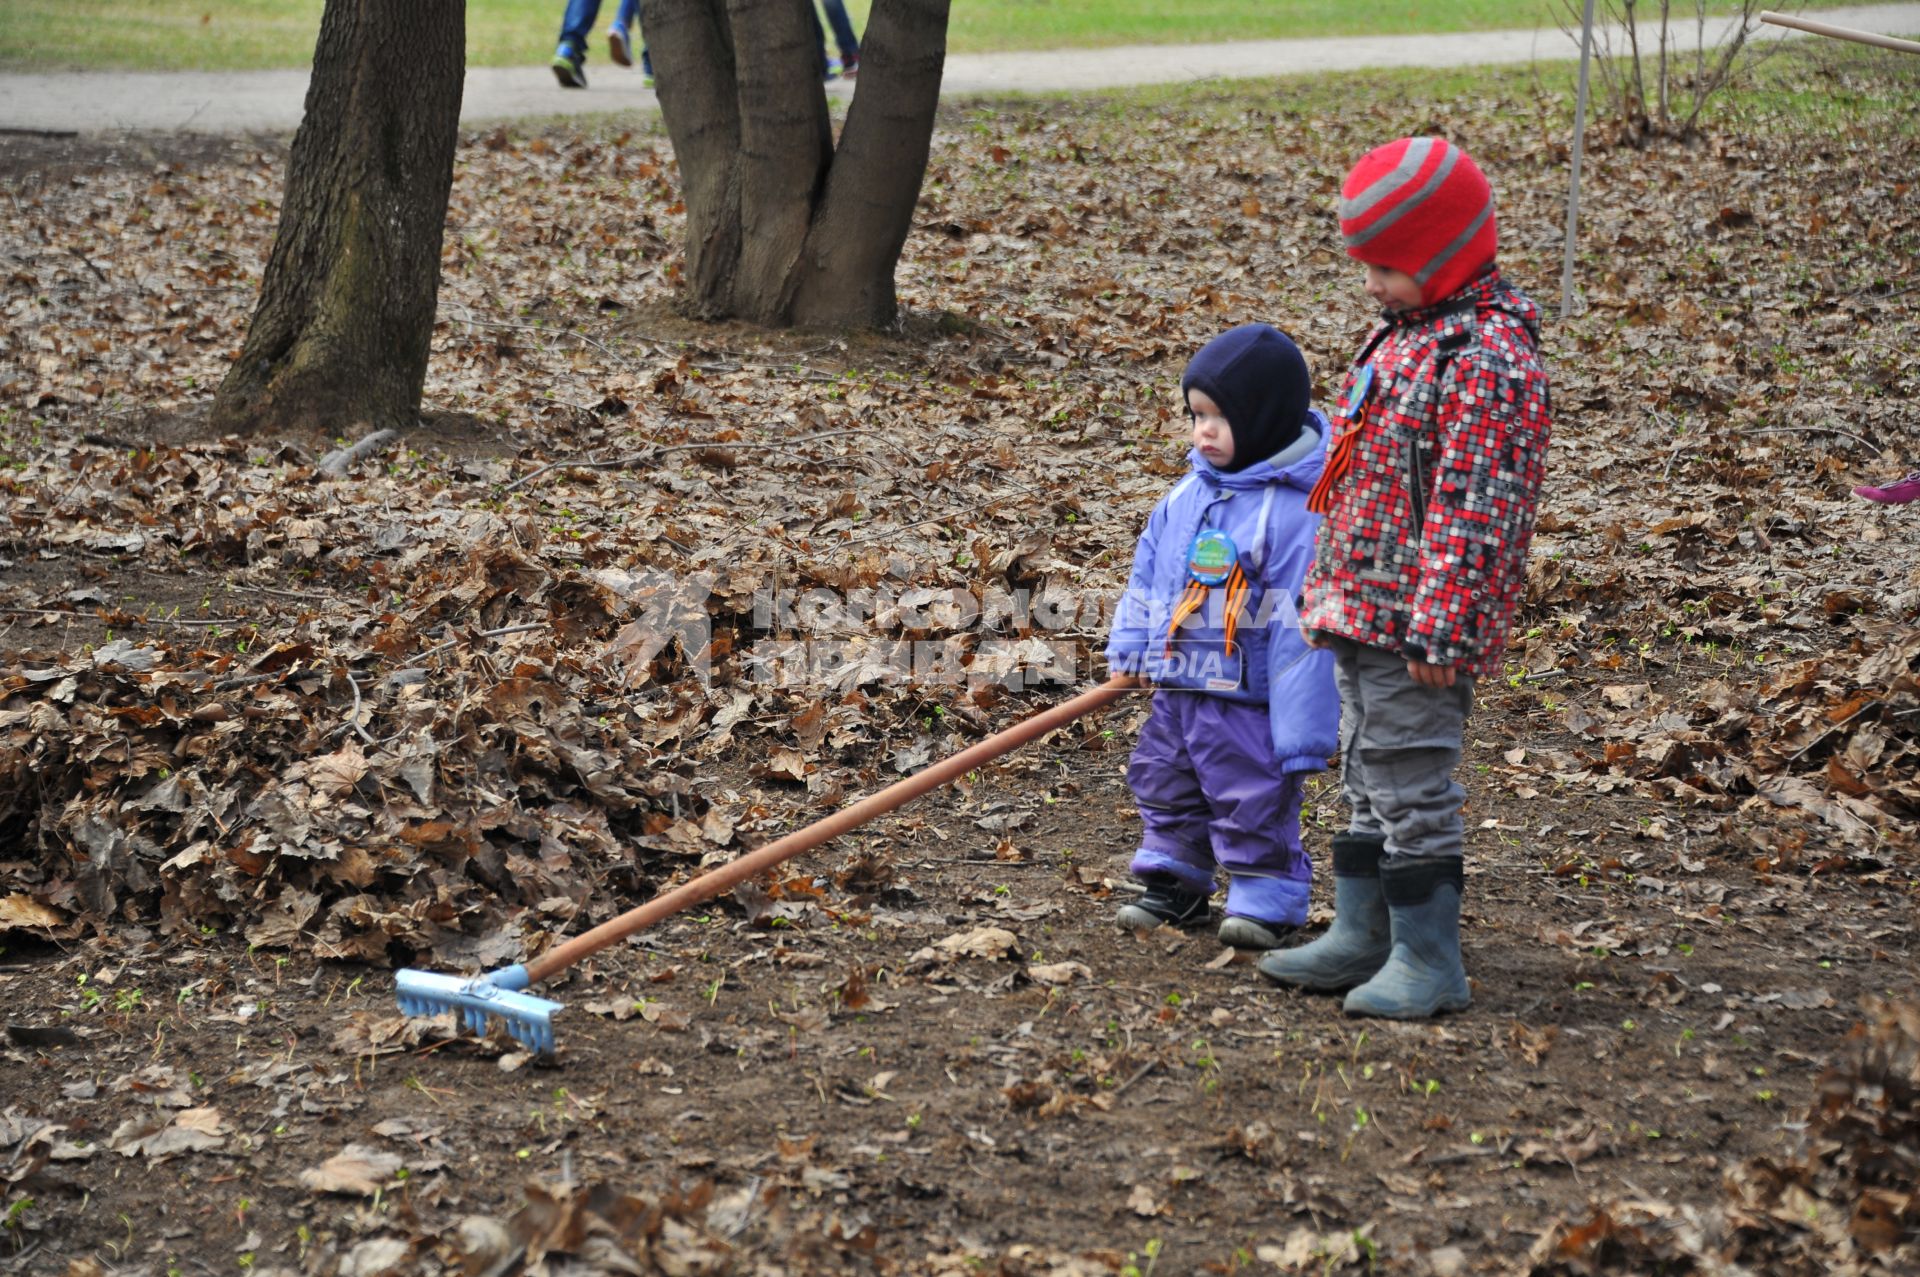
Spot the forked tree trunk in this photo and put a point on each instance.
(782, 227)
(339, 341)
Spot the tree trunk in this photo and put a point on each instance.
(782, 227)
(340, 338)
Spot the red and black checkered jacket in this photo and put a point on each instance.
(1424, 544)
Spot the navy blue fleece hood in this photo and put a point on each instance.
(1258, 377)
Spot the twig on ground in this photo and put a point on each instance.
(201, 622)
(285, 594)
(954, 513)
(1446, 1159)
(1673, 454)
(353, 717)
(1889, 296)
(1672, 457)
(995, 861)
(651, 451)
(88, 263)
(112, 441)
(1138, 1073)
(1811, 430)
(456, 642)
(249, 680)
(1795, 756)
(336, 463)
(575, 333)
(746, 1215)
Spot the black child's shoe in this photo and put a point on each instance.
(1165, 903)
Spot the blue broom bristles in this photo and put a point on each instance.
(528, 1018)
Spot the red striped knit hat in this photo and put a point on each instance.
(1420, 205)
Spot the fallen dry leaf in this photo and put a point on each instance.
(355, 1170)
(190, 1131)
(1060, 972)
(21, 910)
(982, 942)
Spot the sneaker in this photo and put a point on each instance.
(1251, 933)
(833, 69)
(849, 65)
(1165, 903)
(1897, 493)
(619, 45)
(570, 69)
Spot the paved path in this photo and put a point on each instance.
(236, 101)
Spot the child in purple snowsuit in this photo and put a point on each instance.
(1244, 709)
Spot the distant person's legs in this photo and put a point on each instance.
(620, 34)
(570, 57)
(639, 24)
(842, 35)
(828, 68)
(626, 20)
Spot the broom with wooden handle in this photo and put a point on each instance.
(530, 1018)
(1840, 33)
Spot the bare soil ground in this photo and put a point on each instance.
(263, 738)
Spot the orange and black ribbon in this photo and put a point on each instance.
(1238, 588)
(1353, 415)
(1339, 461)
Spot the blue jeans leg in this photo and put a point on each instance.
(842, 28)
(577, 24)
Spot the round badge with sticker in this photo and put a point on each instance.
(1356, 400)
(1210, 560)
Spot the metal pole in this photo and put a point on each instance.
(1579, 147)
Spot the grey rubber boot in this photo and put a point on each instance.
(1357, 943)
(1423, 975)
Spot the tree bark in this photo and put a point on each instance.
(782, 226)
(340, 338)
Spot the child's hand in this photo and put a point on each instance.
(1430, 675)
(1314, 638)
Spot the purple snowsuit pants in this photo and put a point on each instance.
(1211, 794)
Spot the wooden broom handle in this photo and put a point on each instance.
(1840, 33)
(727, 876)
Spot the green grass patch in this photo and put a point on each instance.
(225, 35)
(981, 25)
(1814, 88)
(1825, 87)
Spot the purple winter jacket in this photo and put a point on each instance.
(1263, 509)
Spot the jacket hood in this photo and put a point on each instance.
(1296, 466)
(1259, 380)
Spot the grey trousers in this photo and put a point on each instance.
(1399, 745)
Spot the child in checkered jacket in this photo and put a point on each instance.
(1429, 493)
